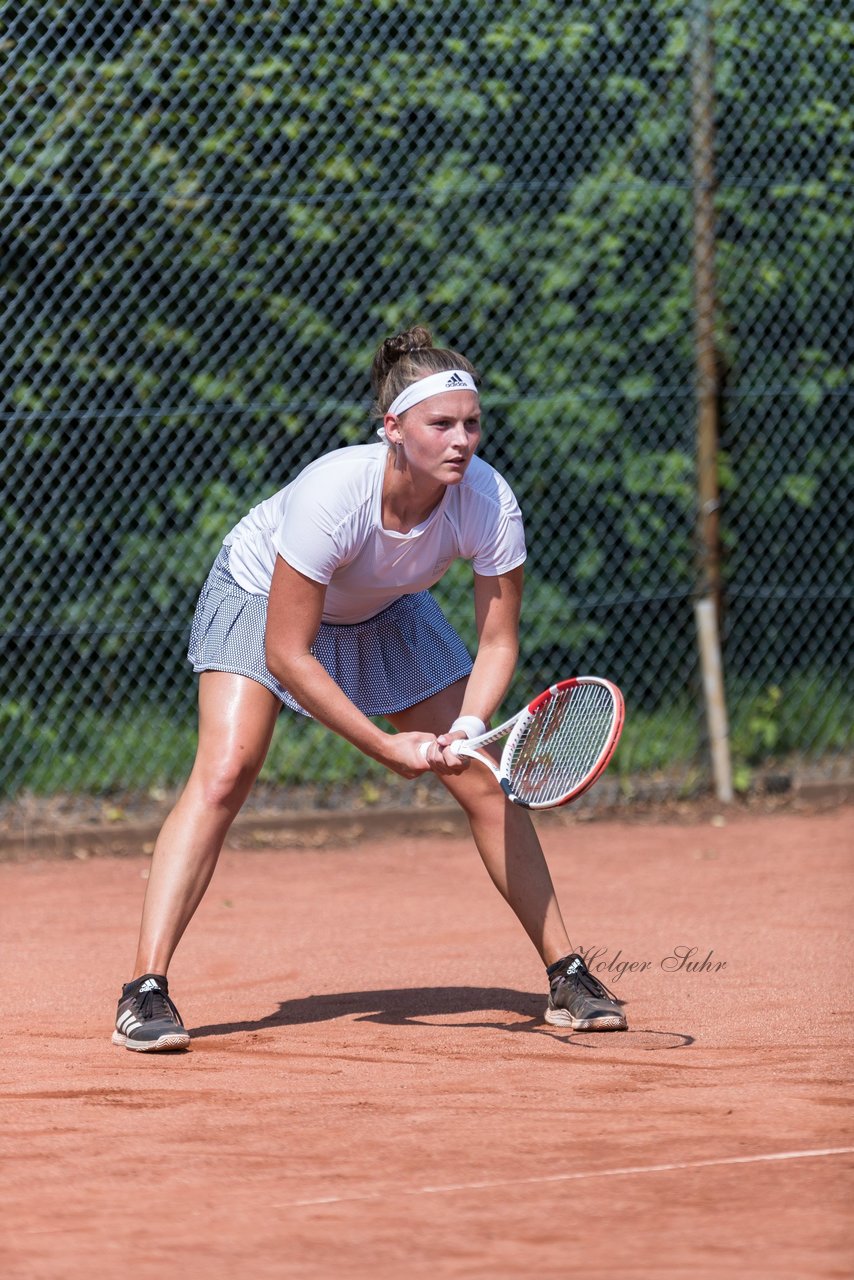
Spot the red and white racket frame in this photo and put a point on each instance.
(516, 726)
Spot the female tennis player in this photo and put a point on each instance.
(319, 600)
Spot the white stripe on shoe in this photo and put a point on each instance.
(172, 1040)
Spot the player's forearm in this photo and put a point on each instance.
(315, 690)
(490, 679)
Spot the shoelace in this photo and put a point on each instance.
(584, 978)
(155, 1004)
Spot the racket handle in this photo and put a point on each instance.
(424, 747)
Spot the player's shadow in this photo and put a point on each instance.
(499, 1008)
(399, 1007)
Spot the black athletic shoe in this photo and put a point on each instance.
(579, 1000)
(146, 1019)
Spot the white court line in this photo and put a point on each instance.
(568, 1177)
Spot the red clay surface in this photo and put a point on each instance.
(371, 1091)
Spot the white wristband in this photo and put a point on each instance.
(469, 725)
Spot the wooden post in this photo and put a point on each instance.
(715, 697)
(705, 305)
(709, 587)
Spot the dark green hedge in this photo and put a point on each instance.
(211, 213)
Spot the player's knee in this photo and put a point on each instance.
(476, 791)
(225, 784)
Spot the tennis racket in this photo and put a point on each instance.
(557, 746)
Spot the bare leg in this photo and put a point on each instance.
(504, 834)
(236, 721)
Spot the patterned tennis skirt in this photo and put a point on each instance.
(386, 664)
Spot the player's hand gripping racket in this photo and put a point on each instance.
(557, 746)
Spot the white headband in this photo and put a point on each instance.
(433, 385)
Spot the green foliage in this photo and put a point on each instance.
(147, 747)
(212, 212)
(757, 734)
(770, 723)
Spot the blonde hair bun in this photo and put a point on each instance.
(403, 359)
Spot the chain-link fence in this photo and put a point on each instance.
(211, 213)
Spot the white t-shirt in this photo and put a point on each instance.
(327, 523)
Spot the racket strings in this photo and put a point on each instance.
(560, 745)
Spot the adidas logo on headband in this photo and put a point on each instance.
(432, 385)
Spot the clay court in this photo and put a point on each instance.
(371, 1091)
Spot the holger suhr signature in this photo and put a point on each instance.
(680, 959)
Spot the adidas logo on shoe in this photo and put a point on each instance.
(455, 381)
(149, 985)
